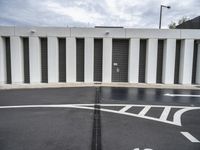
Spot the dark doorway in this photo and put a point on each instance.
(62, 59)
(177, 61)
(160, 61)
(120, 60)
(26, 60)
(8, 60)
(98, 52)
(44, 59)
(80, 60)
(142, 61)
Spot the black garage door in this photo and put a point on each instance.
(142, 61)
(62, 59)
(44, 60)
(26, 60)
(98, 51)
(80, 60)
(160, 61)
(120, 60)
(194, 68)
(177, 61)
(8, 60)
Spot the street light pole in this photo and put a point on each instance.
(161, 6)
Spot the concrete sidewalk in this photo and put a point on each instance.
(116, 84)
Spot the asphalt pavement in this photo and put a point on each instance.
(101, 118)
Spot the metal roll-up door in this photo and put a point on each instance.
(194, 67)
(80, 60)
(142, 61)
(26, 60)
(177, 61)
(98, 52)
(44, 59)
(120, 60)
(159, 61)
(8, 60)
(62, 59)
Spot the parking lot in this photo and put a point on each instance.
(100, 118)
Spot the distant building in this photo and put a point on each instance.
(190, 24)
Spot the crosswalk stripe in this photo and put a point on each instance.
(125, 108)
(165, 113)
(144, 110)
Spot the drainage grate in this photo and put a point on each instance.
(96, 135)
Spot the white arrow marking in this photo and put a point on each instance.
(181, 95)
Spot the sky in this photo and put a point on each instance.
(90, 13)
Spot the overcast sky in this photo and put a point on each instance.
(84, 13)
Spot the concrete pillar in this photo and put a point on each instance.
(35, 59)
(198, 65)
(151, 60)
(52, 59)
(71, 59)
(3, 77)
(89, 60)
(186, 61)
(133, 65)
(107, 60)
(17, 66)
(169, 54)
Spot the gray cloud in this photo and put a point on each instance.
(126, 13)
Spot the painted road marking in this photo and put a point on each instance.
(181, 95)
(190, 137)
(165, 113)
(144, 110)
(124, 109)
(176, 118)
(143, 149)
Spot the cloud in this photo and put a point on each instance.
(127, 13)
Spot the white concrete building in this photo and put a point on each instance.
(52, 55)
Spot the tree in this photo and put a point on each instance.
(173, 25)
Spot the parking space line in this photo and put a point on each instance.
(165, 113)
(181, 95)
(144, 110)
(125, 108)
(190, 137)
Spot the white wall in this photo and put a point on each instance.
(16, 51)
(186, 61)
(3, 77)
(35, 59)
(151, 60)
(107, 34)
(52, 59)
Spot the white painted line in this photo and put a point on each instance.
(176, 121)
(181, 95)
(179, 113)
(190, 137)
(144, 110)
(125, 108)
(135, 105)
(165, 113)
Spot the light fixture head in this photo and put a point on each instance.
(32, 31)
(107, 32)
(168, 7)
